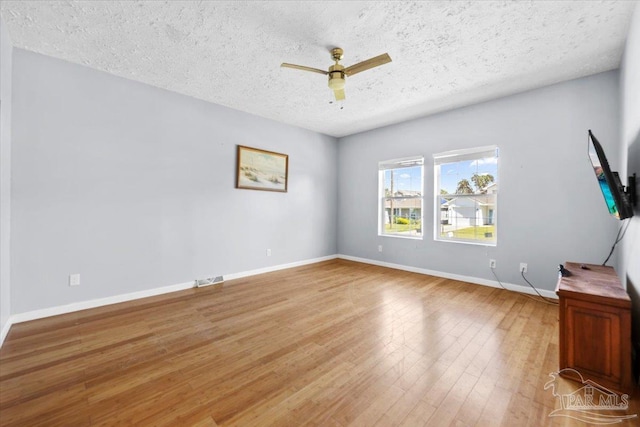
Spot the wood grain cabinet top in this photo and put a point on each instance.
(592, 282)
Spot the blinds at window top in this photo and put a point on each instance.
(407, 162)
(465, 155)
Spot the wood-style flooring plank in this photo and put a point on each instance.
(336, 343)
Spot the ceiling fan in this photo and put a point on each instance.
(337, 72)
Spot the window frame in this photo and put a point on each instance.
(398, 164)
(456, 156)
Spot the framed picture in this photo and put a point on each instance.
(262, 170)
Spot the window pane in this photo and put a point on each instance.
(400, 202)
(467, 196)
(403, 216)
(403, 182)
(469, 217)
(469, 177)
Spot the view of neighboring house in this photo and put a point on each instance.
(408, 208)
(469, 210)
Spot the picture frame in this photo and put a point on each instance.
(262, 170)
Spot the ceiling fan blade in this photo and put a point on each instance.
(339, 94)
(303, 68)
(369, 63)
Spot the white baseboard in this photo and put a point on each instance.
(278, 267)
(5, 330)
(83, 305)
(470, 279)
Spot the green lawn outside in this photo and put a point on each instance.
(399, 228)
(474, 233)
(469, 233)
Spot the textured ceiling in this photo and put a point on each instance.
(445, 54)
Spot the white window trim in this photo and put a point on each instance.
(458, 156)
(405, 162)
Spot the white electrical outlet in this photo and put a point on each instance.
(379, 248)
(268, 252)
(523, 267)
(74, 279)
(492, 263)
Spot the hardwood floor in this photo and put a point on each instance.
(331, 344)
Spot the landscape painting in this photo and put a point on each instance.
(261, 169)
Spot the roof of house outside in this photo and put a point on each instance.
(467, 200)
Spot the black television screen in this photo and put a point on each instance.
(612, 189)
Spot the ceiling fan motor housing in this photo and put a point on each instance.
(336, 77)
(337, 73)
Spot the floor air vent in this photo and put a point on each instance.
(209, 281)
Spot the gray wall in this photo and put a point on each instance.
(629, 267)
(550, 209)
(5, 176)
(133, 187)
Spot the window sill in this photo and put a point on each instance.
(466, 242)
(400, 236)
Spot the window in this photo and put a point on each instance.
(400, 195)
(466, 191)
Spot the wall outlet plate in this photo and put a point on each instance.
(523, 267)
(74, 279)
(492, 263)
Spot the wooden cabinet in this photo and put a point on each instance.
(595, 326)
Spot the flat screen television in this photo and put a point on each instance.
(618, 202)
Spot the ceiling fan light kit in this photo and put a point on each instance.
(337, 73)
